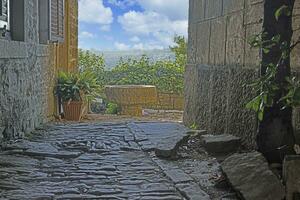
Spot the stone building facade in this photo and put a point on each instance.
(29, 61)
(220, 62)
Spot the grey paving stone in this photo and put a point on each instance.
(178, 176)
(192, 191)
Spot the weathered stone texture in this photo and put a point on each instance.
(291, 169)
(23, 82)
(203, 43)
(217, 41)
(235, 43)
(250, 176)
(213, 8)
(220, 63)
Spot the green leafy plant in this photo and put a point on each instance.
(77, 86)
(112, 108)
(266, 87)
(194, 126)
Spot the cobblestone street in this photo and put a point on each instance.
(101, 161)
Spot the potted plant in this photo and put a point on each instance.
(74, 90)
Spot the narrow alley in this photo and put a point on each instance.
(104, 161)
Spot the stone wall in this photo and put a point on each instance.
(28, 72)
(168, 101)
(220, 62)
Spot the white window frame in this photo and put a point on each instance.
(4, 23)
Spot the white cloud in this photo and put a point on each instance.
(123, 3)
(173, 9)
(146, 46)
(85, 34)
(108, 37)
(121, 46)
(135, 39)
(105, 28)
(94, 11)
(151, 23)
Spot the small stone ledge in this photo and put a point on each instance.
(169, 149)
(221, 144)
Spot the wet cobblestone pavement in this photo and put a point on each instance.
(97, 161)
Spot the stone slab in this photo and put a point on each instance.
(162, 137)
(220, 143)
(178, 176)
(192, 191)
(291, 176)
(250, 176)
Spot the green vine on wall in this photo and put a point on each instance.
(266, 86)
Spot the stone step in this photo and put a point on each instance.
(220, 144)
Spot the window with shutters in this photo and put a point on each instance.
(4, 15)
(12, 20)
(51, 21)
(57, 20)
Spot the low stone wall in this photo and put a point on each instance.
(168, 101)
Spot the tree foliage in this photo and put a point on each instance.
(91, 62)
(166, 75)
(267, 86)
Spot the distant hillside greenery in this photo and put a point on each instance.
(112, 57)
(166, 75)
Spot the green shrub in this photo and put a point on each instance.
(77, 86)
(112, 108)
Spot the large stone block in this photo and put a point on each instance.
(252, 55)
(250, 176)
(230, 6)
(197, 95)
(203, 36)
(192, 44)
(197, 7)
(295, 60)
(203, 89)
(296, 10)
(217, 41)
(219, 83)
(254, 12)
(240, 121)
(213, 8)
(235, 43)
(291, 176)
(190, 95)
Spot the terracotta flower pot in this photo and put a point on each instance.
(73, 110)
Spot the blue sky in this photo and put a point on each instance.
(131, 24)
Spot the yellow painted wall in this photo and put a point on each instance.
(64, 56)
